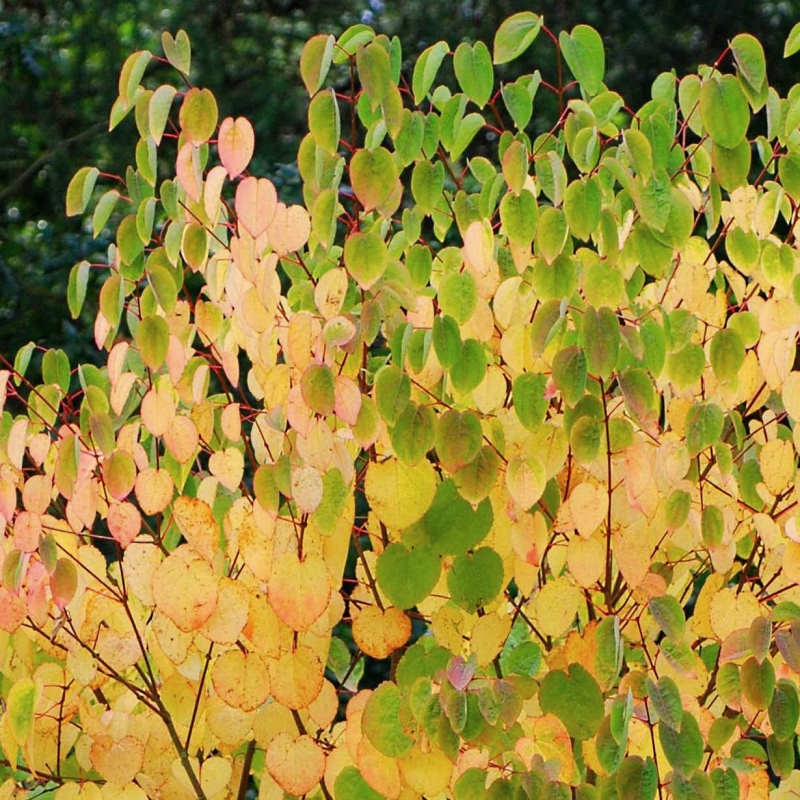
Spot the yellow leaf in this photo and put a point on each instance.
(378, 633)
(427, 772)
(584, 511)
(296, 677)
(307, 488)
(215, 775)
(289, 229)
(185, 589)
(330, 292)
(117, 761)
(525, 480)
(555, 606)
(777, 462)
(228, 467)
(400, 493)
(488, 635)
(154, 490)
(230, 614)
(729, 611)
(241, 680)
(299, 591)
(196, 522)
(585, 559)
(182, 439)
(295, 764)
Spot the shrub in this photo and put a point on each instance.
(510, 419)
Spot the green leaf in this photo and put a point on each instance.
(20, 707)
(518, 214)
(712, 525)
(758, 682)
(446, 340)
(685, 367)
(76, 287)
(79, 190)
(317, 389)
(392, 392)
(784, 709)
(474, 73)
(637, 779)
(640, 397)
(679, 503)
(178, 50)
(523, 659)
(349, 42)
(518, 98)
(515, 35)
(55, 369)
(668, 614)
(366, 257)
(458, 438)
(158, 111)
(130, 75)
(425, 69)
(373, 176)
(684, 747)
(703, 426)
(569, 373)
(724, 109)
(582, 202)
(601, 340)
(350, 785)
(665, 697)
(585, 438)
(374, 71)
(792, 44)
(475, 578)
(530, 403)
(315, 60)
(585, 56)
(749, 57)
(726, 784)
(102, 211)
(458, 295)
(112, 295)
(575, 698)
(198, 115)
(407, 576)
(470, 368)
(413, 434)
(152, 339)
(551, 233)
(476, 479)
(427, 183)
(452, 525)
(323, 121)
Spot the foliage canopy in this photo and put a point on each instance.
(517, 413)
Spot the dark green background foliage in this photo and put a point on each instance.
(59, 62)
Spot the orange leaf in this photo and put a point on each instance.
(299, 591)
(241, 679)
(196, 522)
(255, 203)
(379, 633)
(236, 143)
(154, 490)
(296, 677)
(185, 589)
(289, 229)
(117, 761)
(296, 765)
(124, 522)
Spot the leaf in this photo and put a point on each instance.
(406, 576)
(703, 426)
(79, 190)
(637, 779)
(323, 121)
(458, 295)
(528, 395)
(296, 764)
(315, 61)
(413, 434)
(458, 438)
(784, 709)
(130, 75)
(669, 615)
(392, 392)
(724, 111)
(296, 677)
(350, 785)
(470, 369)
(185, 589)
(666, 700)
(683, 747)
(399, 493)
(366, 257)
(236, 144)
(158, 111)
(317, 387)
(152, 339)
(178, 50)
(749, 56)
(575, 698)
(452, 525)
(373, 176)
(425, 69)
(474, 73)
(582, 203)
(379, 632)
(569, 373)
(475, 578)
(551, 233)
(20, 705)
(515, 35)
(255, 203)
(585, 56)
(300, 590)
(382, 721)
(198, 115)
(374, 71)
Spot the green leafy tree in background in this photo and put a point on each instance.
(58, 62)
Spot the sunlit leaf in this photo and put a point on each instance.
(515, 35)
